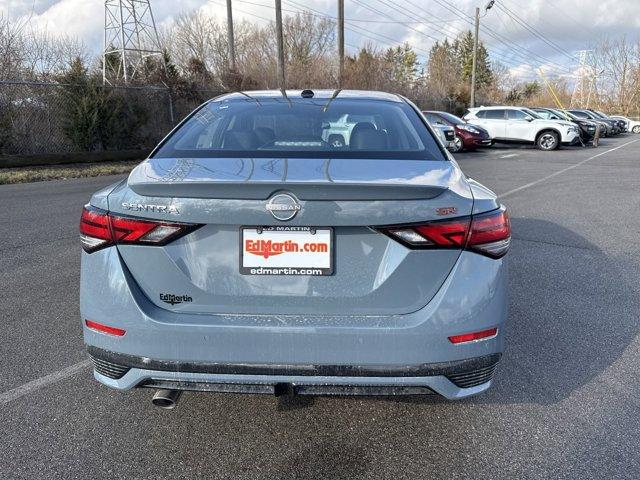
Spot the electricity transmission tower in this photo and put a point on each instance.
(130, 38)
(584, 88)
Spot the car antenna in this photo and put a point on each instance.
(335, 94)
(284, 94)
(251, 98)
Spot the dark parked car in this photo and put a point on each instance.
(468, 137)
(621, 124)
(587, 127)
(610, 126)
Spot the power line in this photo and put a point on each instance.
(533, 30)
(270, 20)
(360, 30)
(523, 53)
(525, 57)
(355, 20)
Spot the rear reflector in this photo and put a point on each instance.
(99, 229)
(118, 332)
(474, 336)
(488, 234)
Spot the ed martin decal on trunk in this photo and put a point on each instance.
(175, 299)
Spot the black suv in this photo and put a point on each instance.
(610, 127)
(621, 125)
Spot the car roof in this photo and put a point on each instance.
(496, 107)
(324, 94)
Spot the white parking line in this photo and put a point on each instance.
(509, 155)
(42, 382)
(559, 172)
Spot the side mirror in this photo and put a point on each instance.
(529, 119)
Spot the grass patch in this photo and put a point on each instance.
(42, 174)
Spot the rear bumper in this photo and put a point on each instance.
(456, 379)
(341, 352)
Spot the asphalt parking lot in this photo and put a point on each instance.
(565, 401)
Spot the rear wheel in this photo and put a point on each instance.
(636, 129)
(548, 141)
(336, 141)
(457, 144)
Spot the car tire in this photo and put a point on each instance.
(548, 140)
(336, 140)
(457, 145)
(636, 129)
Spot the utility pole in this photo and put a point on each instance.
(472, 101)
(232, 47)
(474, 65)
(280, 40)
(340, 42)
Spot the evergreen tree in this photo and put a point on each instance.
(463, 50)
(402, 64)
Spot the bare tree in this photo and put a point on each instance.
(12, 48)
(46, 56)
(617, 68)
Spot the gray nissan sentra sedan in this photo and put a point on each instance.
(314, 242)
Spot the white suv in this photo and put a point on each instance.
(522, 125)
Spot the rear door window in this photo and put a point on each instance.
(516, 115)
(494, 114)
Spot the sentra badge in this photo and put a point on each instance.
(143, 207)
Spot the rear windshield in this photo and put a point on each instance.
(451, 118)
(280, 127)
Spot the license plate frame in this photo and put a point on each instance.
(323, 266)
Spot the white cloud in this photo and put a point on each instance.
(571, 24)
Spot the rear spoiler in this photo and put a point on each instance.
(303, 191)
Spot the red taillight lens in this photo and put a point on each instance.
(99, 229)
(474, 336)
(488, 233)
(118, 332)
(440, 234)
(95, 232)
(446, 234)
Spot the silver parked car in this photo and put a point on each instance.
(250, 254)
(446, 134)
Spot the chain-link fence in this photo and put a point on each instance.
(49, 118)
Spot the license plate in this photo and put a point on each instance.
(286, 251)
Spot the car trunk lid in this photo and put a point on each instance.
(372, 273)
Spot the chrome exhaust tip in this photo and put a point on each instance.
(167, 399)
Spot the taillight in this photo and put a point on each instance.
(440, 234)
(490, 233)
(99, 229)
(487, 233)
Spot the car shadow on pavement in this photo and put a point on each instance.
(572, 313)
(571, 316)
